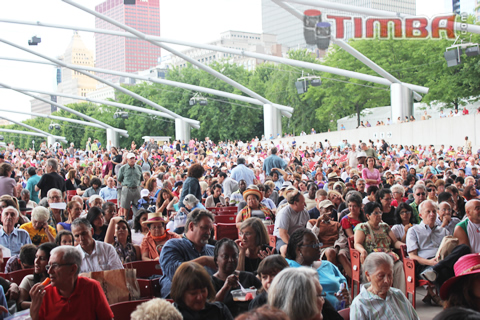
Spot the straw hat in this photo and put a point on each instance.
(154, 217)
(468, 264)
(256, 192)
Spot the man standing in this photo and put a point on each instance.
(352, 156)
(31, 183)
(369, 151)
(292, 217)
(11, 237)
(229, 185)
(95, 255)
(110, 191)
(51, 179)
(241, 172)
(192, 247)
(69, 296)
(273, 161)
(130, 176)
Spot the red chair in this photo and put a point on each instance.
(213, 210)
(225, 219)
(145, 269)
(273, 240)
(2, 267)
(270, 228)
(226, 230)
(228, 212)
(146, 289)
(113, 201)
(17, 276)
(345, 313)
(356, 267)
(123, 310)
(232, 208)
(71, 194)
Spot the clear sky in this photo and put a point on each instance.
(189, 20)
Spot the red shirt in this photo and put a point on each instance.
(86, 302)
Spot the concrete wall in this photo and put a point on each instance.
(446, 131)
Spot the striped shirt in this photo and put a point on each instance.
(370, 306)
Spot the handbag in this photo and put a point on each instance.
(446, 247)
(180, 220)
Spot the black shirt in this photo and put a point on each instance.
(212, 311)
(70, 186)
(389, 218)
(251, 265)
(50, 181)
(247, 279)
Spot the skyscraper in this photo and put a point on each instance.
(126, 54)
(289, 29)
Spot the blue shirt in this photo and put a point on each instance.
(108, 193)
(31, 183)
(174, 253)
(271, 162)
(242, 172)
(15, 240)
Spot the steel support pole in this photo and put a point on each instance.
(402, 103)
(113, 139)
(46, 134)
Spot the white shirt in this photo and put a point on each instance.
(103, 258)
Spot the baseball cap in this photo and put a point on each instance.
(144, 193)
(130, 155)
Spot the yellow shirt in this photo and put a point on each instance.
(37, 236)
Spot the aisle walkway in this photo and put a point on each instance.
(425, 312)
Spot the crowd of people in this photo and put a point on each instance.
(68, 212)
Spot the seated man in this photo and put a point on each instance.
(331, 235)
(192, 247)
(10, 237)
(95, 201)
(292, 217)
(110, 191)
(467, 230)
(24, 260)
(320, 195)
(68, 296)
(423, 241)
(95, 185)
(445, 219)
(96, 255)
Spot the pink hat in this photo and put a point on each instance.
(468, 264)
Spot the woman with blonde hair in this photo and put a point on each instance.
(156, 309)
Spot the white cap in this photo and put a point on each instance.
(130, 155)
(144, 193)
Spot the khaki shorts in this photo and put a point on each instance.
(128, 196)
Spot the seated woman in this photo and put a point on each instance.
(298, 293)
(84, 185)
(74, 210)
(64, 238)
(191, 288)
(355, 215)
(304, 250)
(156, 237)
(377, 299)
(165, 202)
(253, 244)
(227, 278)
(97, 219)
(119, 235)
(216, 199)
(38, 229)
(404, 219)
(254, 207)
(398, 194)
(139, 230)
(40, 273)
(191, 203)
(156, 309)
(267, 270)
(376, 236)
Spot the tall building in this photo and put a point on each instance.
(126, 54)
(240, 40)
(73, 82)
(289, 29)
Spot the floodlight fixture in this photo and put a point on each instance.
(304, 82)
(198, 98)
(120, 114)
(35, 41)
(453, 57)
(453, 54)
(472, 51)
(54, 126)
(323, 32)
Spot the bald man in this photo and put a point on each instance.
(467, 231)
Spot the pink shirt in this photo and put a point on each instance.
(375, 175)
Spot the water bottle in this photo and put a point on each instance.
(341, 303)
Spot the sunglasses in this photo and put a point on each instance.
(420, 194)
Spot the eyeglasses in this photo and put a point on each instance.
(55, 198)
(377, 213)
(57, 265)
(404, 212)
(420, 194)
(313, 245)
(247, 234)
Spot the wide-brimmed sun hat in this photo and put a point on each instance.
(154, 217)
(256, 192)
(468, 264)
